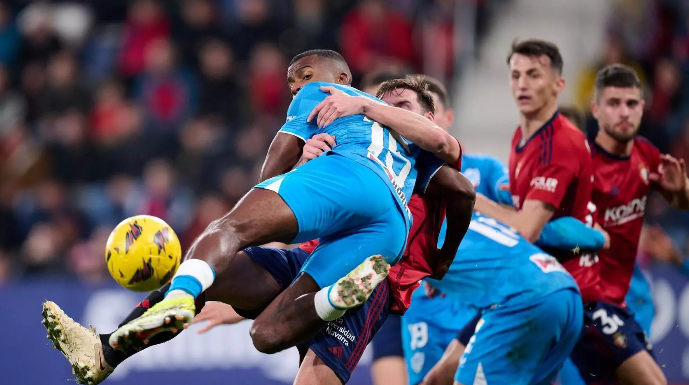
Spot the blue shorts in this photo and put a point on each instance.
(388, 341)
(611, 337)
(340, 343)
(348, 207)
(428, 327)
(523, 344)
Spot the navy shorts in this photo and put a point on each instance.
(388, 341)
(340, 343)
(611, 336)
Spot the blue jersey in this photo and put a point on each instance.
(495, 265)
(487, 174)
(392, 157)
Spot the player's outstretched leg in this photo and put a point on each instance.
(294, 317)
(247, 285)
(260, 217)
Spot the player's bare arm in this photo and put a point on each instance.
(416, 127)
(459, 195)
(529, 221)
(283, 155)
(672, 180)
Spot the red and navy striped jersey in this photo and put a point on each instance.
(554, 166)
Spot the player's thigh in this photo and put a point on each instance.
(611, 337)
(331, 195)
(255, 277)
(313, 371)
(341, 343)
(337, 255)
(522, 344)
(388, 356)
(640, 369)
(390, 370)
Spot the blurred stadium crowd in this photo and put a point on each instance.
(111, 108)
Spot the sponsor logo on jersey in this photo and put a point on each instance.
(543, 183)
(290, 118)
(547, 263)
(622, 214)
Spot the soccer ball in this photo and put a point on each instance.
(142, 253)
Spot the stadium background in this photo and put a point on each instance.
(111, 108)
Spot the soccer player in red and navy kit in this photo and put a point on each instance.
(550, 168)
(626, 169)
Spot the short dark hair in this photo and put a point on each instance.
(436, 87)
(575, 116)
(374, 78)
(322, 53)
(417, 84)
(535, 48)
(618, 76)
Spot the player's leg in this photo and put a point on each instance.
(320, 294)
(614, 347)
(274, 211)
(270, 269)
(388, 355)
(313, 371)
(337, 348)
(523, 344)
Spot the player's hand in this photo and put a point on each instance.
(432, 291)
(672, 176)
(337, 105)
(439, 375)
(316, 146)
(216, 313)
(598, 227)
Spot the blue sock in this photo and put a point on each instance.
(187, 284)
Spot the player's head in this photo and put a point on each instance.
(444, 115)
(317, 65)
(618, 103)
(535, 74)
(573, 115)
(410, 93)
(372, 81)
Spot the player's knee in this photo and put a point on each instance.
(265, 339)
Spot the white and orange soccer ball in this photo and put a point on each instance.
(143, 253)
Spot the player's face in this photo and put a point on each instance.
(406, 100)
(534, 83)
(619, 112)
(313, 69)
(443, 116)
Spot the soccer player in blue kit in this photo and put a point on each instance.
(372, 165)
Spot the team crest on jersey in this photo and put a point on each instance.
(474, 176)
(620, 340)
(643, 171)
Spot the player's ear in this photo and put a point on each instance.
(429, 115)
(594, 108)
(559, 84)
(450, 116)
(344, 79)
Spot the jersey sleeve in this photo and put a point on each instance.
(303, 103)
(551, 179)
(498, 175)
(427, 165)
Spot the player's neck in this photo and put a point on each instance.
(530, 123)
(614, 147)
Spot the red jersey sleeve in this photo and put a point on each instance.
(551, 180)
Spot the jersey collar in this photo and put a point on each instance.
(519, 148)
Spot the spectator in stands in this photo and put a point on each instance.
(145, 23)
(9, 37)
(221, 95)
